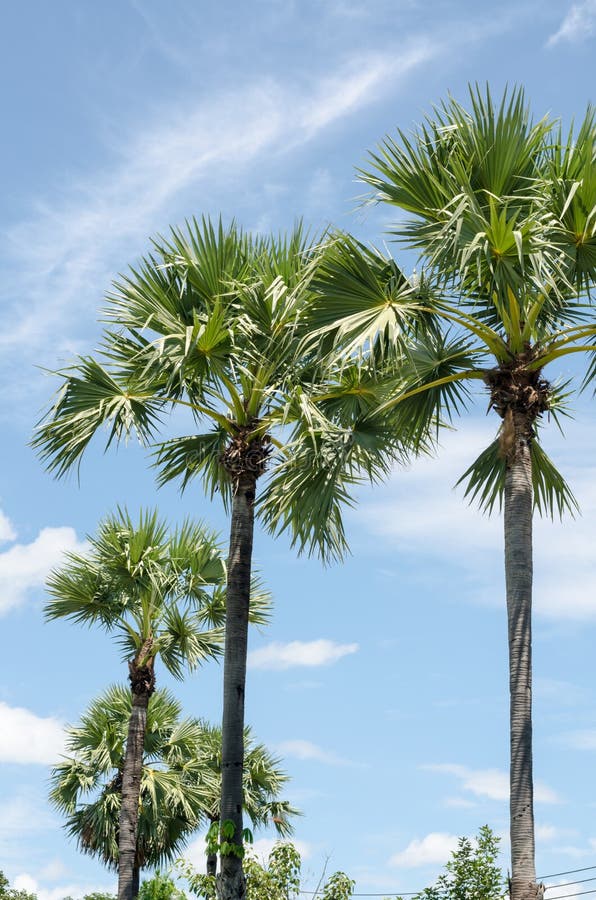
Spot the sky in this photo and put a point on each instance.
(381, 683)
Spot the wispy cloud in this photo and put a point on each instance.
(62, 258)
(7, 532)
(321, 652)
(306, 750)
(578, 25)
(490, 783)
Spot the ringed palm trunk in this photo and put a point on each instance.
(136, 880)
(142, 682)
(230, 882)
(518, 578)
(212, 857)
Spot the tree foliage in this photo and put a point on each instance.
(278, 879)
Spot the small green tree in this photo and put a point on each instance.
(472, 873)
(339, 887)
(160, 887)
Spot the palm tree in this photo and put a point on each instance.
(503, 214)
(87, 784)
(162, 595)
(214, 321)
(262, 782)
(180, 780)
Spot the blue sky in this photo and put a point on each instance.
(382, 682)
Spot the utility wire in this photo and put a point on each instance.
(541, 878)
(551, 887)
(568, 872)
(579, 894)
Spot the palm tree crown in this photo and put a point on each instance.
(180, 780)
(161, 594)
(175, 787)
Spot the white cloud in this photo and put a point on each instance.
(53, 871)
(491, 783)
(26, 566)
(7, 532)
(435, 848)
(262, 847)
(578, 25)
(321, 652)
(27, 738)
(301, 749)
(26, 882)
(419, 513)
(547, 833)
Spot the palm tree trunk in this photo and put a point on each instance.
(142, 682)
(212, 857)
(231, 883)
(518, 577)
(136, 879)
(212, 864)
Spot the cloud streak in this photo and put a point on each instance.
(306, 750)
(67, 251)
(299, 653)
(578, 25)
(489, 783)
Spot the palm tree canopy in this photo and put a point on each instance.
(215, 322)
(503, 215)
(161, 592)
(180, 781)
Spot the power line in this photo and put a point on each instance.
(541, 878)
(568, 872)
(384, 894)
(579, 894)
(551, 887)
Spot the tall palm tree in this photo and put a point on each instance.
(503, 214)
(180, 780)
(162, 596)
(214, 321)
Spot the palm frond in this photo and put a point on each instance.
(363, 297)
(91, 397)
(485, 482)
(185, 458)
